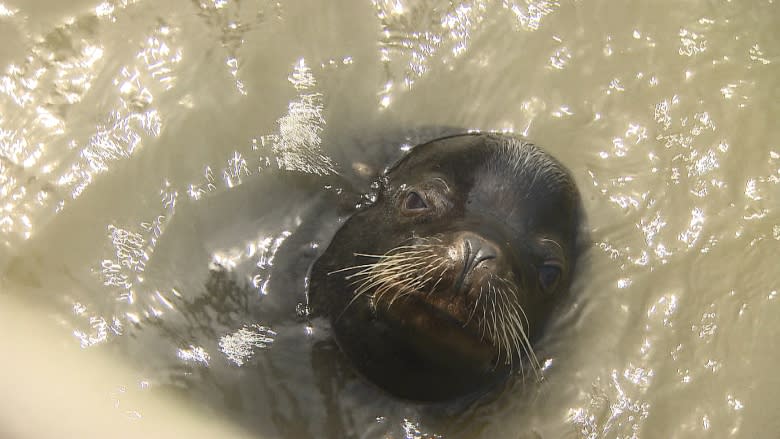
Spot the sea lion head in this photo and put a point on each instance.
(441, 286)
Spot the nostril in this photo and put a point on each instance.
(484, 254)
(476, 250)
(468, 246)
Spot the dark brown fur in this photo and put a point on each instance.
(440, 288)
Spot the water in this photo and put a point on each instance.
(142, 142)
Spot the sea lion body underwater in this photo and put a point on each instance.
(440, 287)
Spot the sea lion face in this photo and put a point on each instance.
(440, 287)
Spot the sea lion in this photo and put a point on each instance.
(440, 287)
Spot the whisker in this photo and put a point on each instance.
(494, 333)
(518, 339)
(354, 267)
(476, 303)
(410, 269)
(503, 335)
(525, 341)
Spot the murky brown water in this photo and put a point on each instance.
(142, 141)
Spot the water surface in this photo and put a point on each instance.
(142, 143)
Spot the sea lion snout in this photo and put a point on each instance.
(475, 253)
(477, 249)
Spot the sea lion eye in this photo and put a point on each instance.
(414, 202)
(549, 274)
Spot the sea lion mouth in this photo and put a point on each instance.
(438, 333)
(424, 291)
(424, 305)
(437, 288)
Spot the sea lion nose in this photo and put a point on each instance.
(476, 250)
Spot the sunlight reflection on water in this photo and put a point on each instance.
(125, 117)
